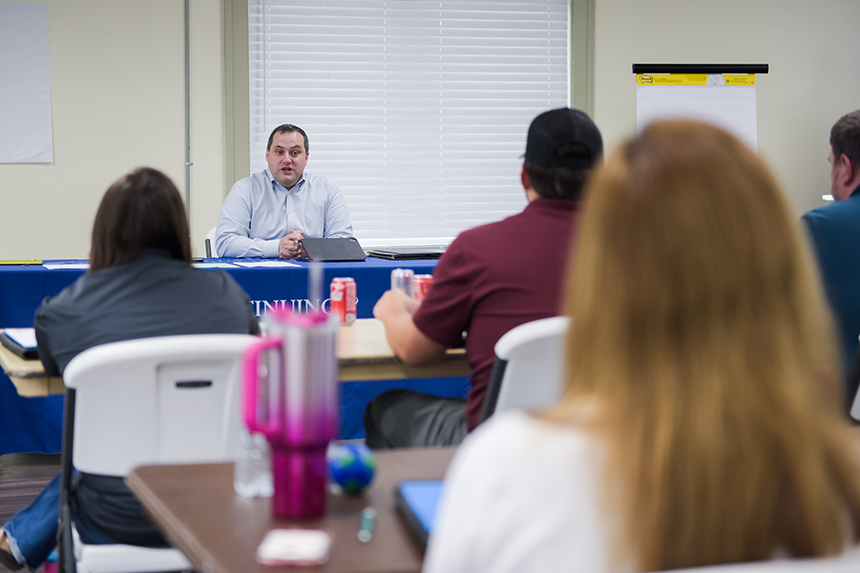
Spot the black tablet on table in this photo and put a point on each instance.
(406, 253)
(333, 250)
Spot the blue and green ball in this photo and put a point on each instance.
(351, 466)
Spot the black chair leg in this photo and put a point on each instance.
(65, 544)
(494, 386)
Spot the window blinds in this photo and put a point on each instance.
(418, 109)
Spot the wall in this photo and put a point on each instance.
(118, 102)
(117, 79)
(811, 48)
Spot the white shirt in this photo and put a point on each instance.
(523, 495)
(259, 212)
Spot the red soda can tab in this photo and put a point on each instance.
(421, 285)
(343, 299)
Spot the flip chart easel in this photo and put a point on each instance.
(719, 94)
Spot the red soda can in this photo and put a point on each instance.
(343, 299)
(421, 285)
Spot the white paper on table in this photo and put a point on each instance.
(729, 107)
(25, 337)
(270, 263)
(55, 266)
(25, 84)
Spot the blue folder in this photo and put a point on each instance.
(418, 502)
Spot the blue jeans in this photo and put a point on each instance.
(32, 533)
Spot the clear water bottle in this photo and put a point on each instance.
(253, 474)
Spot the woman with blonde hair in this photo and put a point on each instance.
(700, 424)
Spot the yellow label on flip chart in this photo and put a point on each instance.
(671, 79)
(693, 79)
(739, 79)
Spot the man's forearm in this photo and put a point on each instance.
(411, 345)
(239, 246)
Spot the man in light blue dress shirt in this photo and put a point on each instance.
(268, 213)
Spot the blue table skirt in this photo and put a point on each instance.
(34, 424)
(288, 287)
(22, 288)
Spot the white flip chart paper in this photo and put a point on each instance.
(731, 107)
(25, 84)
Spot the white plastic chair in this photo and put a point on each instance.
(211, 249)
(849, 562)
(855, 407)
(853, 385)
(528, 369)
(171, 399)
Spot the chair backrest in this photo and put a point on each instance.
(528, 369)
(848, 562)
(211, 250)
(852, 387)
(170, 399)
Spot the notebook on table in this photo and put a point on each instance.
(21, 341)
(333, 250)
(417, 502)
(405, 253)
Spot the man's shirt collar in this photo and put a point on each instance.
(297, 187)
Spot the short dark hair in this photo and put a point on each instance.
(845, 137)
(142, 210)
(559, 182)
(288, 128)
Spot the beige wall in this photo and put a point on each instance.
(811, 48)
(118, 102)
(117, 81)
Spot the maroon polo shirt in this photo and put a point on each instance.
(495, 277)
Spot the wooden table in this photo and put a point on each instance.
(28, 376)
(363, 353)
(198, 511)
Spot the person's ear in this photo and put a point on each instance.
(849, 170)
(525, 179)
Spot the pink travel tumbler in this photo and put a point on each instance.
(294, 403)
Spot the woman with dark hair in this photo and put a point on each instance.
(140, 284)
(701, 421)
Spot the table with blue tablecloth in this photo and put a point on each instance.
(34, 424)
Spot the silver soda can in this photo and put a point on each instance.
(401, 279)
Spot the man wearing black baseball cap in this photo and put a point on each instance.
(491, 279)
